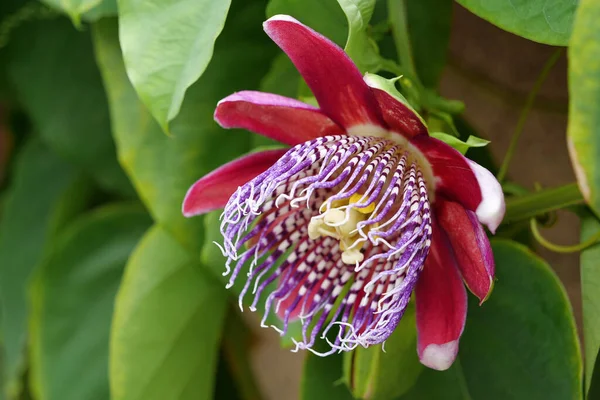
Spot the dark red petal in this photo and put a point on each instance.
(471, 246)
(455, 179)
(212, 191)
(399, 117)
(441, 305)
(286, 120)
(331, 75)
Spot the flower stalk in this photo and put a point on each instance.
(538, 203)
(397, 13)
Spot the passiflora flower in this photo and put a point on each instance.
(361, 211)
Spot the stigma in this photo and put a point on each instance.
(339, 219)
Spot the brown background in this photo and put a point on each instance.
(492, 72)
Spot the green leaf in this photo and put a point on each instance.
(389, 86)
(359, 46)
(590, 282)
(45, 193)
(324, 16)
(429, 24)
(524, 337)
(52, 70)
(583, 133)
(322, 376)
(544, 21)
(377, 374)
(163, 168)
(481, 155)
(167, 325)
(72, 298)
(160, 71)
(462, 147)
(524, 334)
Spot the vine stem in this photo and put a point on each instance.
(398, 20)
(557, 248)
(533, 204)
(525, 113)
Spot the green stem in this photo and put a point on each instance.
(397, 15)
(525, 113)
(533, 204)
(560, 248)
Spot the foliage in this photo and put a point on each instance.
(106, 119)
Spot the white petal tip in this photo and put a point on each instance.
(282, 17)
(489, 214)
(490, 211)
(440, 356)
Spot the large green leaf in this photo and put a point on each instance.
(524, 335)
(162, 168)
(44, 195)
(590, 293)
(521, 344)
(72, 299)
(167, 45)
(583, 132)
(429, 30)
(375, 374)
(324, 16)
(544, 21)
(167, 325)
(51, 67)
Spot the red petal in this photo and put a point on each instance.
(398, 116)
(455, 179)
(212, 191)
(441, 305)
(331, 75)
(286, 120)
(471, 247)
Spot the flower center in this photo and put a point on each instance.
(340, 222)
(337, 216)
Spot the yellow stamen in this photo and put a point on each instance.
(356, 198)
